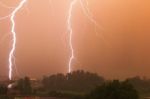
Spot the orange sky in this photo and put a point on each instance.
(119, 50)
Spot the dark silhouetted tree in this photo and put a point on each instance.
(114, 90)
(142, 85)
(24, 86)
(3, 90)
(78, 81)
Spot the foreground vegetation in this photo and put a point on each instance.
(78, 85)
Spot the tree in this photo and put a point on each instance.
(24, 86)
(142, 85)
(114, 90)
(77, 81)
(3, 90)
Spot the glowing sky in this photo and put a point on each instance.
(42, 41)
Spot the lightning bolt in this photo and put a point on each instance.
(11, 54)
(89, 15)
(70, 30)
(5, 6)
(84, 5)
(86, 11)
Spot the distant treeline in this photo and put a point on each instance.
(78, 81)
(78, 85)
(142, 85)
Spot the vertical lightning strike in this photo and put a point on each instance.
(11, 54)
(88, 14)
(85, 9)
(70, 33)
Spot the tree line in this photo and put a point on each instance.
(81, 85)
(78, 81)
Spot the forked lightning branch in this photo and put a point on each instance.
(85, 9)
